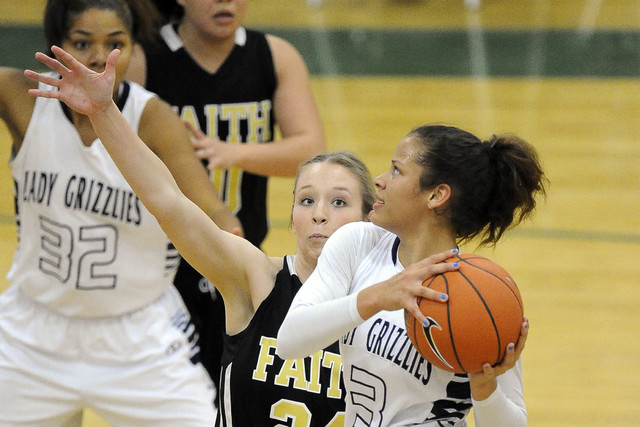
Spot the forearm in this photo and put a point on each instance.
(498, 410)
(144, 171)
(505, 406)
(309, 328)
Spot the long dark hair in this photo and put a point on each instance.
(494, 183)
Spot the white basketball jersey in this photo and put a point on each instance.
(388, 382)
(87, 246)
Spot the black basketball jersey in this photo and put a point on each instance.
(257, 388)
(234, 104)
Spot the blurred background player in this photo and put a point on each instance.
(91, 318)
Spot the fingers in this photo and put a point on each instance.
(197, 133)
(435, 264)
(204, 153)
(524, 333)
(488, 370)
(432, 294)
(44, 78)
(52, 63)
(417, 313)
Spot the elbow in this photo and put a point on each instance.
(284, 347)
(289, 342)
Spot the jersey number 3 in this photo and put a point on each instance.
(78, 256)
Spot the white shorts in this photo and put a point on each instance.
(132, 370)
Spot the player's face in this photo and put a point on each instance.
(214, 18)
(400, 203)
(326, 197)
(93, 35)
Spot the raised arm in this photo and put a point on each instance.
(220, 256)
(163, 131)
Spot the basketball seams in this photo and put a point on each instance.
(504, 282)
(480, 283)
(487, 310)
(449, 324)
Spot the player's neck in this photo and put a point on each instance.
(207, 51)
(304, 267)
(417, 247)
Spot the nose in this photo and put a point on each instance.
(319, 213)
(98, 57)
(379, 181)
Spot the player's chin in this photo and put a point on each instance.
(376, 216)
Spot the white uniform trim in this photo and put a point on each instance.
(173, 40)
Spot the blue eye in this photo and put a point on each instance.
(306, 201)
(339, 203)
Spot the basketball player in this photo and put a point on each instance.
(258, 388)
(232, 83)
(444, 187)
(91, 318)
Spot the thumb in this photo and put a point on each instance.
(112, 59)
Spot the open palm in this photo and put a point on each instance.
(84, 90)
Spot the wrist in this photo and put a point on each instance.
(367, 303)
(482, 390)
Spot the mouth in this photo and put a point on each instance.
(317, 236)
(378, 203)
(223, 17)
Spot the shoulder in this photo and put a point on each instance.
(16, 105)
(14, 86)
(285, 56)
(360, 231)
(354, 239)
(277, 262)
(281, 47)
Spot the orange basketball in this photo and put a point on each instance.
(482, 316)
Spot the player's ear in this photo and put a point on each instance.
(439, 196)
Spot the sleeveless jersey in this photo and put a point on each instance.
(260, 389)
(233, 105)
(87, 246)
(388, 383)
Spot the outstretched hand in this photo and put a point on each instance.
(80, 88)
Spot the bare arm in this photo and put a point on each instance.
(297, 117)
(220, 256)
(16, 106)
(165, 134)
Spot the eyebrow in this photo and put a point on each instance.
(89, 33)
(333, 188)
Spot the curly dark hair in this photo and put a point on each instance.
(494, 183)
